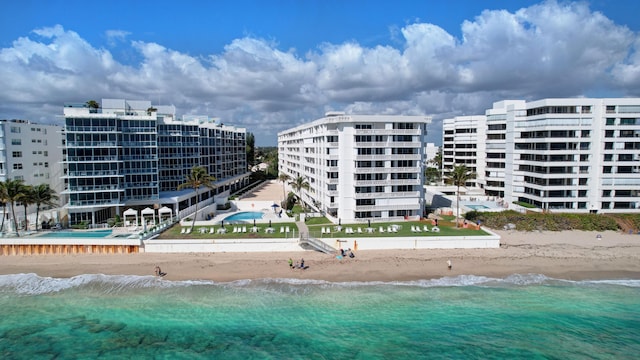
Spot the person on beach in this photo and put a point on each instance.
(449, 265)
(159, 272)
(290, 263)
(302, 264)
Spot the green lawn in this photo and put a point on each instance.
(175, 232)
(446, 229)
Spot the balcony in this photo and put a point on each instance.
(92, 173)
(386, 207)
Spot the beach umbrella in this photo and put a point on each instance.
(269, 223)
(340, 222)
(222, 223)
(254, 222)
(369, 222)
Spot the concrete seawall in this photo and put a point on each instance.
(43, 246)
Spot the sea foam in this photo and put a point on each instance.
(33, 284)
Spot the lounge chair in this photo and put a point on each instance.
(413, 228)
(183, 231)
(244, 229)
(281, 229)
(287, 229)
(381, 229)
(322, 230)
(389, 229)
(435, 229)
(188, 231)
(359, 230)
(426, 228)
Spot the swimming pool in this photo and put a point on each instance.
(76, 234)
(245, 215)
(477, 207)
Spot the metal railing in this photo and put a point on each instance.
(315, 243)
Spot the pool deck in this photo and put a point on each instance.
(259, 200)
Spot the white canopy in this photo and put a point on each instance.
(148, 211)
(130, 212)
(165, 210)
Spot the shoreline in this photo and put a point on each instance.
(569, 255)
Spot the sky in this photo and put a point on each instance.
(275, 64)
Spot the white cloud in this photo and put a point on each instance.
(115, 37)
(545, 50)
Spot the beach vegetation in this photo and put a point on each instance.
(534, 221)
(196, 179)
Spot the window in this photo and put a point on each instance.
(17, 166)
(17, 154)
(16, 142)
(15, 130)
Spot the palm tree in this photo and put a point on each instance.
(3, 200)
(26, 200)
(197, 178)
(43, 195)
(92, 104)
(459, 176)
(14, 192)
(298, 184)
(284, 178)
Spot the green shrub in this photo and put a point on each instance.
(552, 221)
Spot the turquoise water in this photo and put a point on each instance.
(466, 317)
(245, 215)
(76, 234)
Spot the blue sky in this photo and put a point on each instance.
(271, 65)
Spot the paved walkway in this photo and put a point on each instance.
(270, 191)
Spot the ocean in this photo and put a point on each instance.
(465, 317)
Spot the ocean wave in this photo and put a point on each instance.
(33, 284)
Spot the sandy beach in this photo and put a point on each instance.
(573, 255)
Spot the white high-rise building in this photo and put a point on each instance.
(32, 153)
(358, 167)
(463, 144)
(569, 155)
